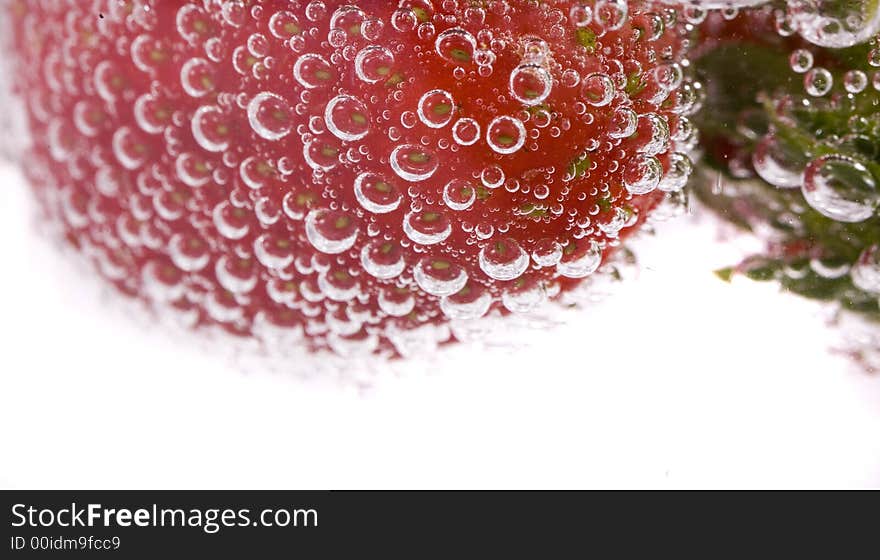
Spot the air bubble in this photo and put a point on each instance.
(676, 176)
(413, 163)
(331, 231)
(459, 194)
(209, 129)
(338, 285)
(800, 60)
(383, 259)
(312, 71)
(397, 302)
(257, 45)
(611, 14)
(436, 108)
(221, 306)
(88, 116)
(285, 292)
(273, 252)
(623, 123)
(197, 77)
(778, 164)
(581, 15)
(347, 118)
(316, 10)
(107, 181)
(492, 176)
(530, 84)
(284, 25)
(668, 76)
(372, 29)
(255, 171)
(456, 46)
(373, 64)
(525, 298)
(541, 118)
(427, 227)
(320, 155)
(655, 130)
(616, 221)
(840, 188)
(231, 222)
(162, 282)
(349, 19)
(818, 82)
(642, 174)
(484, 230)
(403, 20)
(439, 277)
(151, 115)
(570, 78)
(855, 81)
(270, 116)
(267, 211)
(148, 53)
(234, 13)
(580, 259)
(236, 275)
(535, 50)
(108, 81)
(408, 119)
(376, 194)
(471, 302)
(192, 170)
(547, 252)
(506, 135)
(503, 259)
(865, 272)
(466, 131)
(129, 150)
(598, 89)
(243, 62)
(192, 23)
(61, 140)
(484, 58)
(295, 205)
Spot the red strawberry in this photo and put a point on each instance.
(357, 172)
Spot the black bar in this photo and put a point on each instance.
(414, 525)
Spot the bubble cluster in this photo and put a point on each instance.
(829, 157)
(834, 23)
(355, 176)
(799, 143)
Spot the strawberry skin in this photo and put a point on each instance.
(353, 174)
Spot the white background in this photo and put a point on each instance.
(677, 381)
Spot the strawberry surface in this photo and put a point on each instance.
(354, 175)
